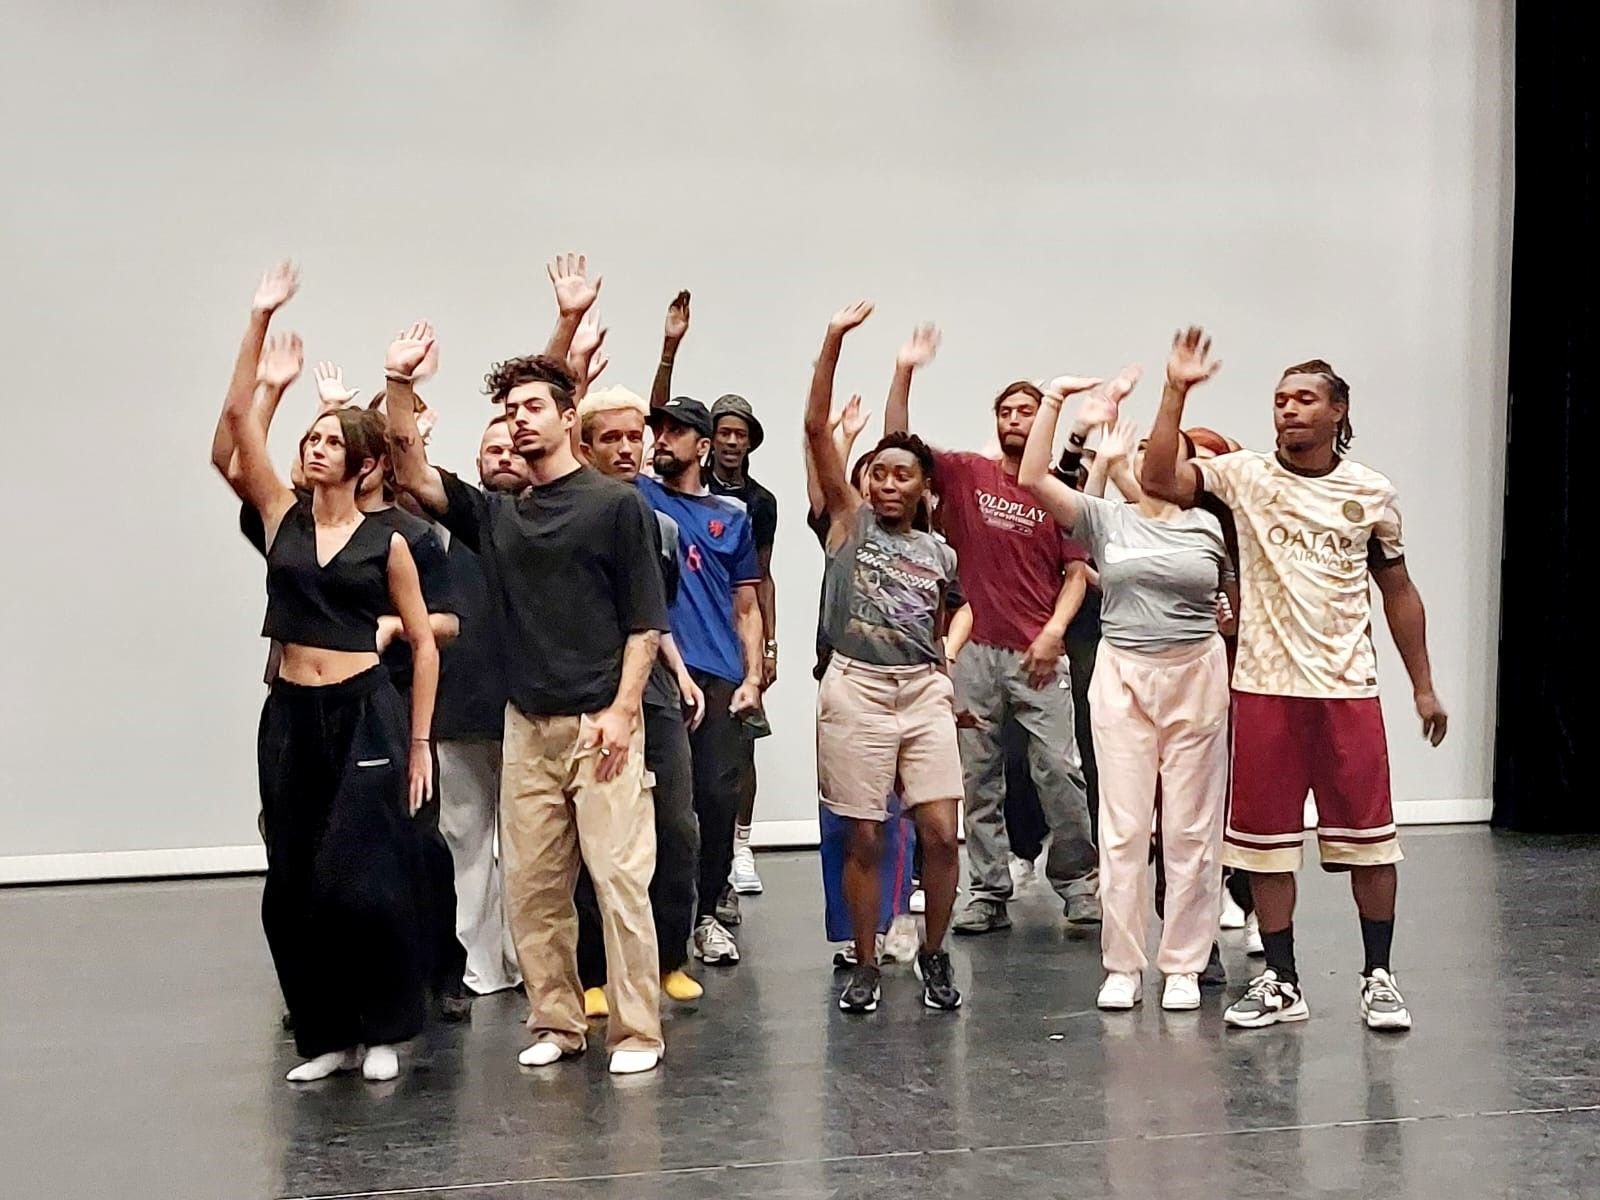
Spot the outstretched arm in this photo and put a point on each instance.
(671, 338)
(839, 498)
(586, 359)
(276, 288)
(1034, 471)
(575, 295)
(407, 454)
(1408, 622)
(254, 480)
(1189, 364)
(917, 353)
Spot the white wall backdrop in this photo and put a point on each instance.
(1057, 184)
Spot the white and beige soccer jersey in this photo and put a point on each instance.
(1305, 546)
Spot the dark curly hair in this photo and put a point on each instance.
(1022, 386)
(912, 445)
(1338, 391)
(531, 368)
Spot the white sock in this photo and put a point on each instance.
(381, 1063)
(324, 1065)
(741, 838)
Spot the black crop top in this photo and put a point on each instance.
(335, 607)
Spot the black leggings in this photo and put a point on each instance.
(340, 902)
(672, 887)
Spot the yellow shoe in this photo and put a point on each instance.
(594, 1003)
(680, 985)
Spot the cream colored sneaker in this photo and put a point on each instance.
(1120, 992)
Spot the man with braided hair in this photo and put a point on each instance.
(1314, 531)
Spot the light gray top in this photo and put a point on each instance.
(1158, 578)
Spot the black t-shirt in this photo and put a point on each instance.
(472, 687)
(572, 574)
(433, 572)
(761, 504)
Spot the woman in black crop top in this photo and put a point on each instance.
(341, 767)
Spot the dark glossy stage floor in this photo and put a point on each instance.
(140, 1057)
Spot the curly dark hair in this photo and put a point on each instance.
(1022, 386)
(1338, 392)
(531, 368)
(912, 445)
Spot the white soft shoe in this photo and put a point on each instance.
(1181, 993)
(1232, 914)
(1252, 937)
(900, 944)
(743, 876)
(541, 1054)
(1022, 872)
(633, 1062)
(381, 1063)
(1120, 992)
(918, 903)
(324, 1065)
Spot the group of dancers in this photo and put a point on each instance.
(561, 796)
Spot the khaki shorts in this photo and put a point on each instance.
(881, 729)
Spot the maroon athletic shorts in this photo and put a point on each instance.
(1286, 746)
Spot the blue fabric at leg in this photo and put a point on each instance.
(894, 870)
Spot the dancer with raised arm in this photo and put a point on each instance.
(1159, 711)
(1315, 530)
(341, 773)
(886, 706)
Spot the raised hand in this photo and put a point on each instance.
(331, 391)
(575, 291)
(1118, 441)
(587, 340)
(919, 348)
(409, 348)
(281, 359)
(276, 288)
(1102, 405)
(1069, 385)
(854, 418)
(848, 318)
(677, 318)
(1191, 362)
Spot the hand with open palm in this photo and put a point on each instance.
(409, 349)
(281, 359)
(850, 317)
(677, 318)
(277, 288)
(1191, 362)
(920, 348)
(331, 391)
(575, 291)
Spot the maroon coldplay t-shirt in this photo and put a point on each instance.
(1011, 553)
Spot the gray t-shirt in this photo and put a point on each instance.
(881, 594)
(1158, 579)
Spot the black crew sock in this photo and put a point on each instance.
(1376, 938)
(1280, 953)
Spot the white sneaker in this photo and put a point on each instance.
(633, 1062)
(1382, 1005)
(713, 943)
(1182, 992)
(918, 902)
(743, 876)
(381, 1064)
(1252, 938)
(541, 1054)
(901, 943)
(1232, 915)
(1120, 992)
(1022, 873)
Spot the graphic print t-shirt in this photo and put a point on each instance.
(716, 555)
(881, 594)
(1306, 544)
(1013, 555)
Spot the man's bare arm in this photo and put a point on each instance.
(575, 295)
(672, 335)
(407, 454)
(276, 288)
(1190, 363)
(1408, 623)
(917, 353)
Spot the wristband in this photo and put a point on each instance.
(422, 741)
(396, 377)
(1076, 439)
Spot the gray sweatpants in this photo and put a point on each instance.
(991, 686)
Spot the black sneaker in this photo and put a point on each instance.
(938, 985)
(860, 995)
(1267, 1001)
(1215, 975)
(728, 906)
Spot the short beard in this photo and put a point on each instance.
(669, 467)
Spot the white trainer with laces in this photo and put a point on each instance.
(743, 876)
(713, 944)
(1232, 914)
(1382, 1005)
(1182, 992)
(1120, 992)
(1267, 1001)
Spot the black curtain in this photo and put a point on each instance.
(1547, 639)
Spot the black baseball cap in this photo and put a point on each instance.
(689, 413)
(737, 406)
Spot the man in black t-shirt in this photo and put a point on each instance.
(579, 602)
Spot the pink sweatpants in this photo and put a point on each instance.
(1160, 715)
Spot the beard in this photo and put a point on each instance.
(668, 466)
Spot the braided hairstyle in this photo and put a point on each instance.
(1338, 391)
